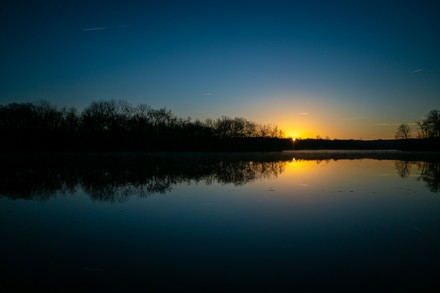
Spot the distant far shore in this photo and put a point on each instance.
(379, 144)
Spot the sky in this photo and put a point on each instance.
(342, 69)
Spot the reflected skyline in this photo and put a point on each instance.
(117, 177)
(238, 221)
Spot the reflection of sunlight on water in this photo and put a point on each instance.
(338, 217)
(326, 178)
(299, 164)
(304, 184)
(123, 177)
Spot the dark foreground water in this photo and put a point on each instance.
(296, 221)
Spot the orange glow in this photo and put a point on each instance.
(295, 134)
(296, 165)
(305, 119)
(309, 116)
(298, 131)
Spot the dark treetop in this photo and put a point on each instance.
(118, 126)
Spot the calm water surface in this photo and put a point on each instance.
(305, 221)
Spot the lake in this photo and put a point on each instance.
(289, 221)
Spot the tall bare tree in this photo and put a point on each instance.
(430, 126)
(403, 131)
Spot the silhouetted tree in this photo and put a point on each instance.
(423, 131)
(403, 131)
(430, 126)
(70, 119)
(266, 130)
(106, 116)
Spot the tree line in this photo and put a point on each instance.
(119, 126)
(428, 134)
(344, 144)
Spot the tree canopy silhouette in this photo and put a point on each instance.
(430, 126)
(119, 126)
(403, 131)
(428, 134)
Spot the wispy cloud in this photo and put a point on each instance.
(388, 124)
(101, 28)
(395, 124)
(417, 70)
(303, 113)
(208, 94)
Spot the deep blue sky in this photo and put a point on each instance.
(346, 69)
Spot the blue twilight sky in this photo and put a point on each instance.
(346, 69)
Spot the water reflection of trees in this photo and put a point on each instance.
(118, 177)
(403, 168)
(428, 172)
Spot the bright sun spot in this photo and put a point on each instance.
(293, 135)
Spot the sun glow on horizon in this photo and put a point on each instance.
(296, 134)
(293, 135)
(299, 116)
(308, 116)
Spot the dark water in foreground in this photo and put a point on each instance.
(304, 221)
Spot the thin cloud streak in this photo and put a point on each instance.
(95, 28)
(387, 124)
(208, 94)
(101, 28)
(303, 113)
(396, 124)
(417, 70)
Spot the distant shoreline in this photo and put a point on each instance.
(422, 145)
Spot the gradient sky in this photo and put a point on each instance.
(343, 69)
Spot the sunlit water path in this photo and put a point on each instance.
(308, 221)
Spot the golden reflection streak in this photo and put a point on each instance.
(298, 164)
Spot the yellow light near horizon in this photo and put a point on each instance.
(297, 164)
(293, 135)
(296, 134)
(295, 130)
